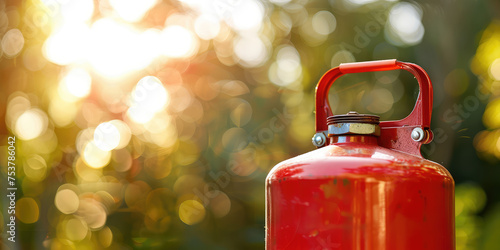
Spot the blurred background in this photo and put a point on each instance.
(152, 124)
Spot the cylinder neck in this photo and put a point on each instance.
(353, 123)
(366, 139)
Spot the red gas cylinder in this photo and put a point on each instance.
(369, 187)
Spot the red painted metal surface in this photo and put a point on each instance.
(363, 191)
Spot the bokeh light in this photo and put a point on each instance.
(251, 51)
(491, 116)
(12, 42)
(27, 210)
(62, 112)
(93, 213)
(343, 56)
(124, 132)
(94, 156)
(469, 200)
(191, 212)
(246, 15)
(35, 168)
(324, 22)
(178, 41)
(75, 84)
(76, 229)
(220, 205)
(287, 68)
(105, 236)
(31, 124)
(405, 26)
(148, 97)
(152, 124)
(207, 27)
(67, 201)
(106, 136)
(495, 69)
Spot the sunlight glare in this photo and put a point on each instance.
(132, 10)
(67, 44)
(178, 42)
(148, 98)
(113, 48)
(247, 15)
(75, 85)
(149, 47)
(77, 11)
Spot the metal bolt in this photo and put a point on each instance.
(319, 139)
(417, 134)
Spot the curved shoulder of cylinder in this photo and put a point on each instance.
(335, 160)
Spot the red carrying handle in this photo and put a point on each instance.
(394, 134)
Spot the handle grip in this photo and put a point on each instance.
(393, 133)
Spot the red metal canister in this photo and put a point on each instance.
(369, 187)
